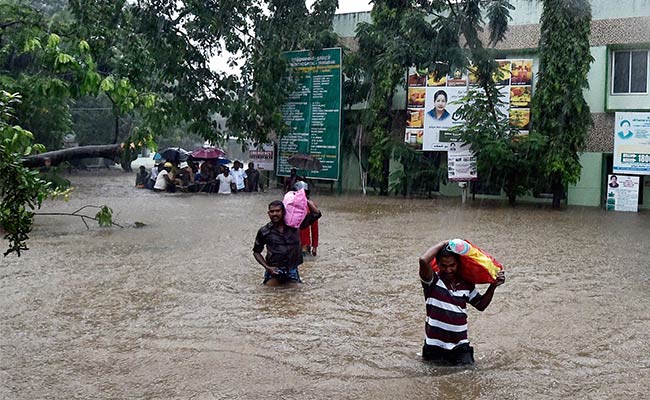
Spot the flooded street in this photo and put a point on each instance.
(175, 310)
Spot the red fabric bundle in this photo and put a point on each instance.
(477, 266)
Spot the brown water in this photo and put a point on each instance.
(176, 309)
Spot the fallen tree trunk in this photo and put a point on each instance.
(56, 157)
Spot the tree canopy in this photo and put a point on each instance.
(435, 34)
(560, 112)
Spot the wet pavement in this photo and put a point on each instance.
(175, 309)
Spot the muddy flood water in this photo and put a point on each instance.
(175, 309)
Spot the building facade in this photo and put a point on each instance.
(619, 80)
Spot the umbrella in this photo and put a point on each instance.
(305, 162)
(175, 154)
(208, 153)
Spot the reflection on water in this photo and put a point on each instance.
(176, 309)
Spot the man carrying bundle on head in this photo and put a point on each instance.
(447, 293)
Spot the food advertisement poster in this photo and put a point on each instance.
(622, 193)
(431, 98)
(313, 112)
(632, 143)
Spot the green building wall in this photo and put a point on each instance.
(622, 24)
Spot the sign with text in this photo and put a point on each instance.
(313, 112)
(622, 193)
(262, 156)
(461, 163)
(432, 101)
(632, 143)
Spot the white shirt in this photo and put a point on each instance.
(154, 172)
(224, 183)
(239, 175)
(161, 182)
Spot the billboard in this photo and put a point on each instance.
(313, 112)
(622, 193)
(432, 97)
(632, 143)
(262, 156)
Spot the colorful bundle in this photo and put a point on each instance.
(477, 266)
(295, 207)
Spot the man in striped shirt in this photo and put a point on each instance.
(446, 297)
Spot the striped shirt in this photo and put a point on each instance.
(446, 322)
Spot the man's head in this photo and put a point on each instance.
(448, 263)
(142, 168)
(236, 165)
(251, 165)
(276, 211)
(168, 166)
(226, 171)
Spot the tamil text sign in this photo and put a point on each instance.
(313, 112)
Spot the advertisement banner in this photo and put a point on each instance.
(430, 108)
(313, 113)
(622, 193)
(262, 156)
(632, 143)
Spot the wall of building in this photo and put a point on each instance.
(621, 24)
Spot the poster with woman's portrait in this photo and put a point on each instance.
(441, 104)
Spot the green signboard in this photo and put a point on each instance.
(312, 113)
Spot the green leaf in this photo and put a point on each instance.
(107, 85)
(53, 40)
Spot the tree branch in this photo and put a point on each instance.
(82, 216)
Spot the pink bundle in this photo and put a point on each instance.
(296, 208)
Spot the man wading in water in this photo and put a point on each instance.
(283, 250)
(446, 297)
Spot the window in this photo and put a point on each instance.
(630, 72)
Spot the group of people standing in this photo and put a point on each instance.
(190, 176)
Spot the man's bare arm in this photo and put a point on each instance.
(426, 273)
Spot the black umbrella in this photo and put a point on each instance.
(175, 154)
(305, 162)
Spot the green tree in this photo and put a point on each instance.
(504, 158)
(21, 189)
(560, 112)
(285, 25)
(49, 67)
(434, 34)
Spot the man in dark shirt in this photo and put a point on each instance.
(253, 178)
(283, 251)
